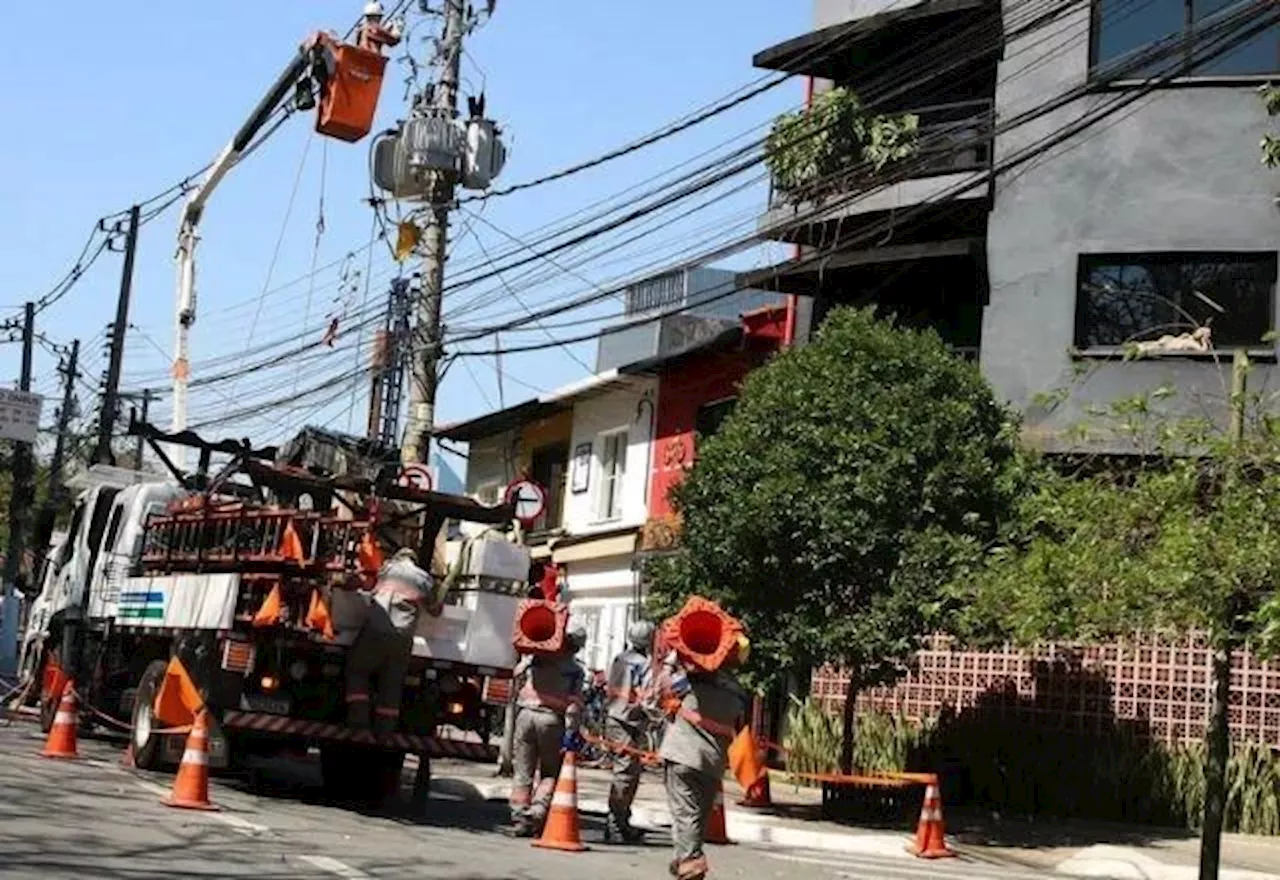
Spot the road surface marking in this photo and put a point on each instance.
(853, 865)
(333, 866)
(244, 826)
(151, 787)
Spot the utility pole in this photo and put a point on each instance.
(140, 449)
(68, 371)
(110, 398)
(426, 338)
(19, 504)
(53, 500)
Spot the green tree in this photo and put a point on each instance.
(1167, 542)
(852, 478)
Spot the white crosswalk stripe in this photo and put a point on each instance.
(838, 865)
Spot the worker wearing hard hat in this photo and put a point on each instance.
(383, 647)
(711, 707)
(630, 713)
(548, 712)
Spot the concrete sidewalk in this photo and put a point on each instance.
(1071, 849)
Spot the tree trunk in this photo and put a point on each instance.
(1218, 739)
(849, 731)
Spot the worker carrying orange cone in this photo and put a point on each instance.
(708, 708)
(62, 736)
(563, 830)
(191, 785)
(930, 841)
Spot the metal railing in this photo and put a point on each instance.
(952, 138)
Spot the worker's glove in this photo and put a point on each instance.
(572, 741)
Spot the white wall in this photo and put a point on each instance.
(601, 594)
(631, 408)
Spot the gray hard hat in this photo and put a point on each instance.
(640, 634)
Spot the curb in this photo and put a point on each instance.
(742, 827)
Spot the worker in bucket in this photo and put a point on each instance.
(707, 708)
(548, 712)
(629, 714)
(381, 651)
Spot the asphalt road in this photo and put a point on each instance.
(93, 819)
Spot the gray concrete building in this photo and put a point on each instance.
(1062, 206)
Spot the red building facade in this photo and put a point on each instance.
(696, 392)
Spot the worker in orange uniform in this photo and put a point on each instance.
(707, 708)
(382, 649)
(548, 712)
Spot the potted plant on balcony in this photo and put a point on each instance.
(818, 149)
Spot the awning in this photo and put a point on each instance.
(803, 276)
(837, 51)
(581, 548)
(496, 422)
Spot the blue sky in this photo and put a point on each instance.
(128, 101)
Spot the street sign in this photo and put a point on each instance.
(529, 499)
(416, 476)
(19, 415)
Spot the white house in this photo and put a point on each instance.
(588, 444)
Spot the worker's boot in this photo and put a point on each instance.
(617, 830)
(691, 869)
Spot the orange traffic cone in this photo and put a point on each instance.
(758, 795)
(62, 736)
(318, 617)
(271, 611)
(717, 830)
(291, 544)
(930, 842)
(191, 785)
(562, 830)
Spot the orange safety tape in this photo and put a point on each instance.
(123, 725)
(619, 748)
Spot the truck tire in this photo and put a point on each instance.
(142, 736)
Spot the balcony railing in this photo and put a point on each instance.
(952, 138)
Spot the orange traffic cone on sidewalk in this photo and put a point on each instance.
(930, 842)
(62, 736)
(717, 830)
(562, 830)
(191, 785)
(758, 795)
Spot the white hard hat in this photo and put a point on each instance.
(373, 9)
(640, 634)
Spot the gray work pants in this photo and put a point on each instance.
(536, 752)
(376, 666)
(626, 769)
(691, 795)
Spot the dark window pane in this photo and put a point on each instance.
(711, 416)
(1134, 298)
(1123, 28)
(1259, 55)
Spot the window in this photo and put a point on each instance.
(548, 466)
(613, 468)
(1124, 298)
(1121, 33)
(711, 416)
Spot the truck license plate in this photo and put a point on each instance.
(259, 703)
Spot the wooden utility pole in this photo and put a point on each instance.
(19, 506)
(110, 393)
(426, 337)
(1218, 736)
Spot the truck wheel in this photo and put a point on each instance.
(143, 737)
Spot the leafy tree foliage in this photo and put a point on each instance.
(1166, 542)
(1270, 142)
(853, 477)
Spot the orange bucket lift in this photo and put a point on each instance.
(702, 633)
(349, 93)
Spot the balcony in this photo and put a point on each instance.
(952, 151)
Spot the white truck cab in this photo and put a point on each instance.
(104, 534)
